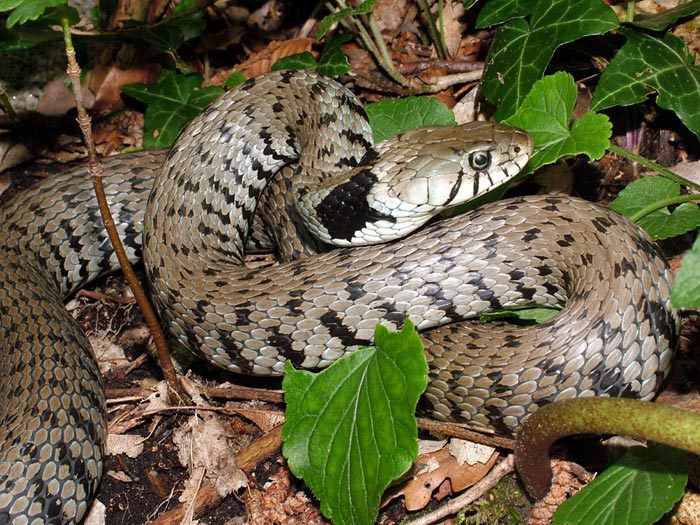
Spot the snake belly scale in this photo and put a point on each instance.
(615, 335)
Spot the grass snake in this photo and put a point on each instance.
(614, 336)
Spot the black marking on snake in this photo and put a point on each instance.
(601, 224)
(345, 209)
(336, 328)
(531, 234)
(355, 290)
(326, 119)
(491, 242)
(287, 75)
(391, 314)
(584, 257)
(249, 110)
(352, 105)
(356, 138)
(566, 241)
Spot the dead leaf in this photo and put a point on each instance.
(431, 471)
(129, 444)
(453, 13)
(57, 99)
(265, 420)
(469, 452)
(106, 83)
(205, 444)
(12, 153)
(262, 61)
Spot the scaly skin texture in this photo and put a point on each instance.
(614, 336)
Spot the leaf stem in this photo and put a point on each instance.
(435, 36)
(664, 172)
(600, 415)
(678, 199)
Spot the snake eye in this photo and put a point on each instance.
(480, 160)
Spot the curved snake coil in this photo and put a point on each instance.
(615, 336)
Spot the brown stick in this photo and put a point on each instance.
(96, 172)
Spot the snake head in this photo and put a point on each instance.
(406, 180)
(430, 169)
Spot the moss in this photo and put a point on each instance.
(505, 504)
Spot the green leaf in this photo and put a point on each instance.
(661, 21)
(545, 114)
(351, 428)
(500, 11)
(234, 79)
(661, 223)
(362, 9)
(637, 490)
(646, 65)
(173, 101)
(31, 10)
(303, 60)
(686, 290)
(521, 50)
(168, 35)
(27, 36)
(333, 61)
(391, 117)
(522, 315)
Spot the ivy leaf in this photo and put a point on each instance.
(173, 101)
(521, 50)
(234, 79)
(500, 11)
(333, 61)
(328, 21)
(303, 60)
(545, 114)
(351, 428)
(661, 223)
(663, 20)
(391, 117)
(638, 489)
(686, 290)
(26, 10)
(647, 64)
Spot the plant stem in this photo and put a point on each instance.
(95, 171)
(678, 199)
(375, 46)
(664, 172)
(599, 415)
(435, 36)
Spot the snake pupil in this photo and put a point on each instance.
(480, 161)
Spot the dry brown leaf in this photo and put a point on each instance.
(391, 14)
(279, 503)
(204, 443)
(453, 14)
(57, 99)
(106, 83)
(689, 170)
(431, 472)
(12, 153)
(129, 444)
(265, 420)
(261, 62)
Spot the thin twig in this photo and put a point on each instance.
(96, 172)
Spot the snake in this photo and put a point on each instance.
(187, 215)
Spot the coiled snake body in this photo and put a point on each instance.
(615, 336)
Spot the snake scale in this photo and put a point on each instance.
(614, 336)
